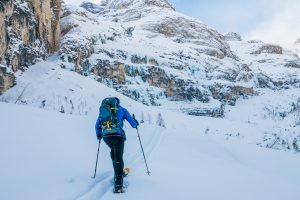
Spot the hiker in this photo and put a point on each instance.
(109, 126)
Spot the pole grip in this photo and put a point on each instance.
(133, 116)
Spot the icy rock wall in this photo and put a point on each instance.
(29, 31)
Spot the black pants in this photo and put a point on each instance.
(116, 145)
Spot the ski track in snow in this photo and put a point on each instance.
(149, 147)
(98, 180)
(104, 182)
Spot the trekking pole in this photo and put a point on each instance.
(97, 160)
(137, 130)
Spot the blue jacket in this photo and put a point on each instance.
(121, 115)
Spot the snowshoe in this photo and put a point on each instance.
(118, 184)
(126, 171)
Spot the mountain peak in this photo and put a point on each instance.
(124, 4)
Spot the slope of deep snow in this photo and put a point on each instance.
(46, 155)
(50, 155)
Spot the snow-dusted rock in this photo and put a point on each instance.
(293, 63)
(7, 78)
(91, 7)
(232, 36)
(125, 4)
(269, 66)
(269, 48)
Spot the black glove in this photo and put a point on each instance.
(137, 123)
(99, 137)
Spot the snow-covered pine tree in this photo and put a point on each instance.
(142, 117)
(160, 121)
(149, 119)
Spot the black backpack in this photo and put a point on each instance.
(108, 114)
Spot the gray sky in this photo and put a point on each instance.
(274, 21)
(230, 15)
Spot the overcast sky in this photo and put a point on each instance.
(274, 21)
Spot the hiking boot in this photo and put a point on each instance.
(119, 184)
(119, 189)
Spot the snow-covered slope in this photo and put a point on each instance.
(50, 155)
(46, 85)
(273, 116)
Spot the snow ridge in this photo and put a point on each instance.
(130, 4)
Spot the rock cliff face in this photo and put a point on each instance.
(7, 79)
(29, 31)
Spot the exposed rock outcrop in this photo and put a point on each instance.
(229, 94)
(91, 7)
(7, 79)
(231, 36)
(124, 4)
(29, 31)
(269, 48)
(110, 72)
(185, 30)
(293, 64)
(76, 53)
(174, 88)
(215, 112)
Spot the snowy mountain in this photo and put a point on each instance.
(149, 76)
(214, 109)
(153, 54)
(51, 155)
(157, 56)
